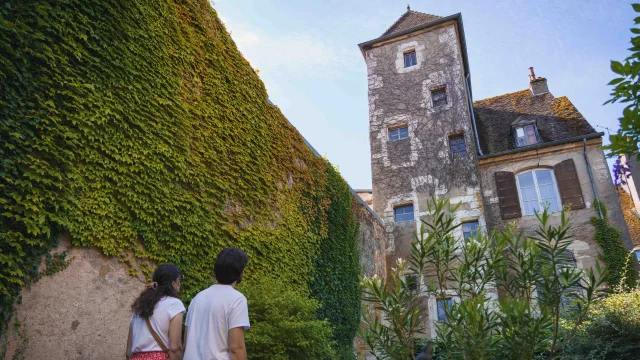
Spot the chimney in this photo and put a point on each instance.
(538, 86)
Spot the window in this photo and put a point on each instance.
(410, 58)
(441, 308)
(399, 134)
(469, 229)
(526, 135)
(439, 96)
(404, 213)
(538, 190)
(457, 145)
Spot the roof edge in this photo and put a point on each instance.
(463, 42)
(410, 30)
(544, 145)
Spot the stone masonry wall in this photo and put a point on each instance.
(585, 249)
(414, 169)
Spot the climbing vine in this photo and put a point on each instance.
(140, 129)
(615, 256)
(337, 267)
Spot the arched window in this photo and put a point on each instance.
(538, 190)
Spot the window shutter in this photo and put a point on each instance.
(569, 185)
(508, 195)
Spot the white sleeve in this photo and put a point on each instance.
(176, 308)
(239, 316)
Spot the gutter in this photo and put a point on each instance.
(544, 145)
(473, 116)
(593, 185)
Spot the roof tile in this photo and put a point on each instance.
(555, 118)
(408, 20)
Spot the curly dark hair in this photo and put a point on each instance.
(164, 276)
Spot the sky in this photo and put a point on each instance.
(308, 57)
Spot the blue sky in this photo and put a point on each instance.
(308, 57)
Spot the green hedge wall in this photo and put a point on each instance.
(139, 128)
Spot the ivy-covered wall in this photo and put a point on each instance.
(139, 128)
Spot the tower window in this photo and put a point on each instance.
(410, 58)
(469, 228)
(399, 133)
(457, 145)
(526, 135)
(403, 213)
(439, 96)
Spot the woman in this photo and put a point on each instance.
(155, 332)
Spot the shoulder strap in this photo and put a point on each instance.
(156, 337)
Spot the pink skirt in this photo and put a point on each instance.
(151, 355)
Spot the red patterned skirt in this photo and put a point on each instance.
(151, 355)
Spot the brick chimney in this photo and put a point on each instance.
(537, 85)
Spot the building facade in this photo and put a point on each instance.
(501, 158)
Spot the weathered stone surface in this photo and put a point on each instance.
(81, 312)
(414, 169)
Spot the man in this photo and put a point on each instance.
(218, 315)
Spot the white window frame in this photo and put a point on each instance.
(535, 185)
(535, 132)
(409, 52)
(402, 206)
(398, 128)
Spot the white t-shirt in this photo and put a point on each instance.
(165, 310)
(212, 313)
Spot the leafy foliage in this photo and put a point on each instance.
(337, 267)
(139, 128)
(534, 276)
(284, 324)
(616, 257)
(611, 331)
(627, 90)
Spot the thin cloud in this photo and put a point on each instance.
(295, 55)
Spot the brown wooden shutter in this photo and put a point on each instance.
(508, 194)
(569, 184)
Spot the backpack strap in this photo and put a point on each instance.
(156, 337)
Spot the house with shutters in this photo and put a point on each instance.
(502, 158)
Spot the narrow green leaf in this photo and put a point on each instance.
(615, 81)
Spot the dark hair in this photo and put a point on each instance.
(161, 286)
(229, 265)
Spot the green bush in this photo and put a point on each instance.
(284, 324)
(611, 331)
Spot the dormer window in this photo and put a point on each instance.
(410, 58)
(526, 135)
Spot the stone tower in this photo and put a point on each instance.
(421, 129)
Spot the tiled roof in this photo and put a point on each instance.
(631, 217)
(555, 118)
(408, 20)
